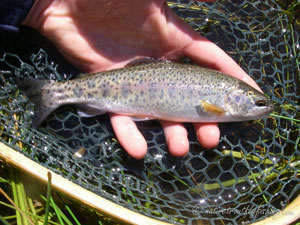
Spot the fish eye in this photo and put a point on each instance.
(261, 103)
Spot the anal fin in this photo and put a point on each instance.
(89, 111)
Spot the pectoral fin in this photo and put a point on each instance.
(137, 119)
(208, 108)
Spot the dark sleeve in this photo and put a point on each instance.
(12, 13)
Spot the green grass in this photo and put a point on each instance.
(285, 117)
(21, 206)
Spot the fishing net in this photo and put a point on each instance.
(252, 174)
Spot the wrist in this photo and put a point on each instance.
(37, 14)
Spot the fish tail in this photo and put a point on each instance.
(33, 89)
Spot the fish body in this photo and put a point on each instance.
(159, 90)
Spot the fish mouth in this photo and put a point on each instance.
(265, 111)
(260, 113)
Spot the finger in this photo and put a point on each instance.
(129, 136)
(208, 54)
(208, 134)
(176, 138)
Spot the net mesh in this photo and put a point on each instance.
(252, 173)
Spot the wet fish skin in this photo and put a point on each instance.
(158, 90)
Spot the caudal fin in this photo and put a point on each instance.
(33, 89)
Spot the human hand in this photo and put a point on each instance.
(97, 35)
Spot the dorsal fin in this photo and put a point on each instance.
(82, 75)
(143, 61)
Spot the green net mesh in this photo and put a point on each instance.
(252, 173)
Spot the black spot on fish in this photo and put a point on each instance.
(105, 93)
(59, 98)
(182, 97)
(78, 92)
(60, 90)
(190, 92)
(50, 104)
(171, 92)
(161, 95)
(136, 98)
(90, 95)
(89, 84)
(125, 92)
(92, 85)
(152, 93)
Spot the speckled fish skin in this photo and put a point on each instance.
(161, 90)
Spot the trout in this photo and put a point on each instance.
(161, 90)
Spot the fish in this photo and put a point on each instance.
(161, 90)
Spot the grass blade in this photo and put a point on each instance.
(22, 199)
(58, 212)
(48, 199)
(3, 221)
(284, 117)
(15, 196)
(18, 210)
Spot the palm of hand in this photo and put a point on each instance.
(108, 34)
